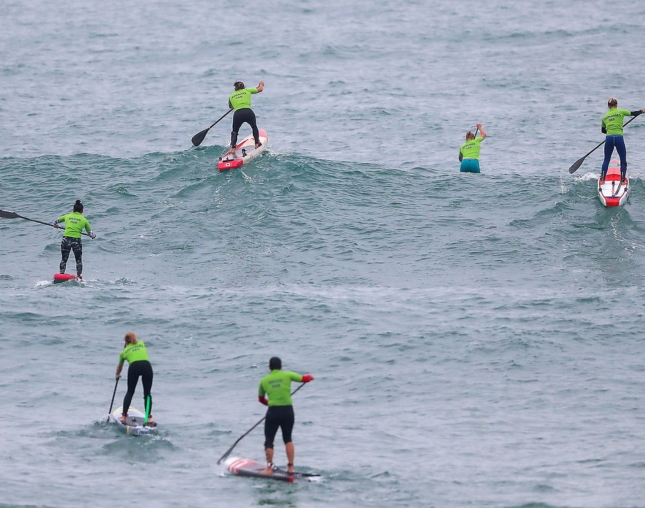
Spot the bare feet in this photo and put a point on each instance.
(123, 418)
(258, 145)
(267, 470)
(602, 181)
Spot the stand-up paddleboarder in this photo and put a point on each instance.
(612, 126)
(74, 225)
(135, 353)
(240, 100)
(277, 387)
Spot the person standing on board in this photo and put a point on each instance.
(469, 151)
(612, 126)
(135, 353)
(74, 225)
(277, 386)
(240, 100)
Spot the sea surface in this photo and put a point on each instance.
(476, 340)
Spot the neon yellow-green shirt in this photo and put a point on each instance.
(241, 99)
(277, 386)
(74, 224)
(134, 353)
(470, 149)
(613, 121)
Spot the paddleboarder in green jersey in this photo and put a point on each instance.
(240, 100)
(135, 353)
(277, 387)
(469, 151)
(612, 126)
(75, 223)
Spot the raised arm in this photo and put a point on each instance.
(260, 87)
(481, 129)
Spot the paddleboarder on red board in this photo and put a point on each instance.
(135, 353)
(240, 100)
(612, 126)
(277, 386)
(74, 225)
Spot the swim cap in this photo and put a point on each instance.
(275, 363)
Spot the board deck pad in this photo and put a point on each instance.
(133, 423)
(251, 468)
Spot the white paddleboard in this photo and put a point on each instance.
(251, 468)
(612, 192)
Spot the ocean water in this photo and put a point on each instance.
(476, 339)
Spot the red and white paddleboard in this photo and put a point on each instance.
(63, 277)
(243, 153)
(612, 192)
(253, 469)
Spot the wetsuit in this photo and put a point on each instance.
(277, 385)
(137, 356)
(74, 225)
(469, 152)
(612, 125)
(241, 102)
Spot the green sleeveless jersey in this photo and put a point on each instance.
(241, 99)
(470, 149)
(134, 353)
(74, 224)
(613, 121)
(277, 386)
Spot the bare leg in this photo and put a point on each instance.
(268, 452)
(291, 453)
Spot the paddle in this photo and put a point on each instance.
(199, 137)
(228, 452)
(112, 403)
(579, 162)
(13, 215)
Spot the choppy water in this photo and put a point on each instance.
(476, 339)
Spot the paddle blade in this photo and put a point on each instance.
(577, 164)
(198, 138)
(9, 215)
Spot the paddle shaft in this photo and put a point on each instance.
(12, 215)
(228, 452)
(574, 167)
(113, 395)
(199, 137)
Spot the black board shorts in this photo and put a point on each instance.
(278, 417)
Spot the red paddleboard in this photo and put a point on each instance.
(63, 277)
(243, 153)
